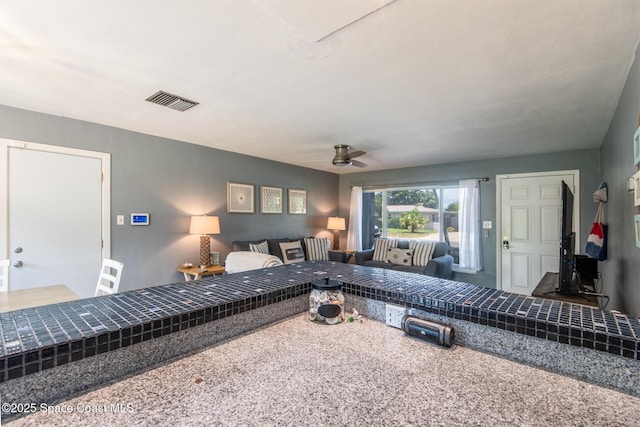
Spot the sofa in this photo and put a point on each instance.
(274, 247)
(439, 265)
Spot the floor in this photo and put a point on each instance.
(300, 373)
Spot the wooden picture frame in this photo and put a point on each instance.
(636, 221)
(270, 200)
(297, 201)
(636, 147)
(240, 198)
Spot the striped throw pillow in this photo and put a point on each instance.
(261, 248)
(317, 249)
(381, 247)
(422, 252)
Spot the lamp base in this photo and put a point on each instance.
(336, 240)
(205, 248)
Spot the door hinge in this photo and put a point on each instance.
(102, 244)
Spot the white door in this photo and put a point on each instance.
(55, 217)
(531, 212)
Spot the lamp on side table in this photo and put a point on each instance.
(336, 224)
(204, 225)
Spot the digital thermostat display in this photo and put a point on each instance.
(139, 219)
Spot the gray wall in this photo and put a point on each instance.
(173, 180)
(587, 161)
(622, 269)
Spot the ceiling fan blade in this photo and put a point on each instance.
(358, 164)
(356, 154)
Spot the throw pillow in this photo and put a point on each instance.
(422, 252)
(317, 249)
(292, 252)
(399, 256)
(381, 246)
(261, 248)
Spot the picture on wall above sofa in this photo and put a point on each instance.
(270, 200)
(297, 201)
(240, 198)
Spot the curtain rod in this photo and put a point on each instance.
(407, 184)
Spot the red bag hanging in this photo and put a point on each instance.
(597, 240)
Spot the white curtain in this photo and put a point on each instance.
(354, 237)
(469, 225)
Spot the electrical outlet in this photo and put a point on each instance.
(120, 220)
(394, 315)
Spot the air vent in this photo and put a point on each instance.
(172, 101)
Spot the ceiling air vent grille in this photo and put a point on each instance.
(172, 101)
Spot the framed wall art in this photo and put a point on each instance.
(636, 147)
(297, 201)
(270, 200)
(636, 189)
(240, 198)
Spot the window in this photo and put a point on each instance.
(429, 213)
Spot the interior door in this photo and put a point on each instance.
(54, 220)
(531, 209)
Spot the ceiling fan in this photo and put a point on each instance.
(345, 158)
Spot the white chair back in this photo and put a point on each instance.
(109, 282)
(4, 275)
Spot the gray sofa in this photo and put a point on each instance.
(274, 247)
(440, 265)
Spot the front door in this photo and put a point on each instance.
(531, 211)
(55, 217)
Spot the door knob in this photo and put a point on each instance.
(18, 250)
(18, 264)
(505, 243)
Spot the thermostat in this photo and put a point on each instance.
(139, 219)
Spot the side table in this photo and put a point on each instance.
(345, 256)
(196, 273)
(351, 256)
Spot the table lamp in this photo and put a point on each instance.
(204, 225)
(336, 224)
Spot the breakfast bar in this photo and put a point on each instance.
(54, 353)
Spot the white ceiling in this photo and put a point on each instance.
(410, 82)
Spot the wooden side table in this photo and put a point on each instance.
(351, 256)
(195, 273)
(347, 256)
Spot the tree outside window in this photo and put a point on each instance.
(413, 213)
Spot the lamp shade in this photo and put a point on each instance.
(336, 223)
(204, 224)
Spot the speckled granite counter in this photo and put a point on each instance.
(300, 373)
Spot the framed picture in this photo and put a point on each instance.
(636, 147)
(270, 200)
(636, 189)
(297, 201)
(636, 221)
(240, 198)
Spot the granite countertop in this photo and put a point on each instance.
(296, 372)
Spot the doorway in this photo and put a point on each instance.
(528, 216)
(55, 222)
